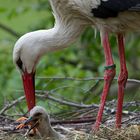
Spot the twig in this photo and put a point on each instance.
(88, 120)
(6, 128)
(70, 78)
(46, 95)
(9, 30)
(72, 104)
(11, 105)
(131, 119)
(84, 79)
(133, 103)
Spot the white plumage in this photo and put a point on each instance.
(71, 18)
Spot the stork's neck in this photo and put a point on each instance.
(46, 131)
(60, 36)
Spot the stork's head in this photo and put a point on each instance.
(39, 119)
(29, 49)
(38, 114)
(26, 54)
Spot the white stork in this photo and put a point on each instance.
(39, 119)
(71, 18)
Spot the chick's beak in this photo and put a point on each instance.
(29, 88)
(33, 122)
(28, 121)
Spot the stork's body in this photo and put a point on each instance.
(71, 18)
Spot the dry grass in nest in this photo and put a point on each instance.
(105, 133)
(127, 133)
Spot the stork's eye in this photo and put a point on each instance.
(19, 63)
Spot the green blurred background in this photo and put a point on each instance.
(83, 59)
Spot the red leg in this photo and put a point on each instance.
(108, 77)
(122, 79)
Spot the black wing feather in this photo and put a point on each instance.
(111, 8)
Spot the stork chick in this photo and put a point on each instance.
(40, 120)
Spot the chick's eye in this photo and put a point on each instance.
(38, 114)
(19, 63)
(35, 120)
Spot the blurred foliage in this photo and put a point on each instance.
(85, 58)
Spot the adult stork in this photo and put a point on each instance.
(71, 18)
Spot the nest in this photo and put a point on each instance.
(79, 127)
(105, 133)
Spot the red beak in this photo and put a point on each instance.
(29, 88)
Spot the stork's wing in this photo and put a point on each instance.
(111, 8)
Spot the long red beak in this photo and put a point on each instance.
(29, 89)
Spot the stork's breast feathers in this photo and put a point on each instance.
(112, 8)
